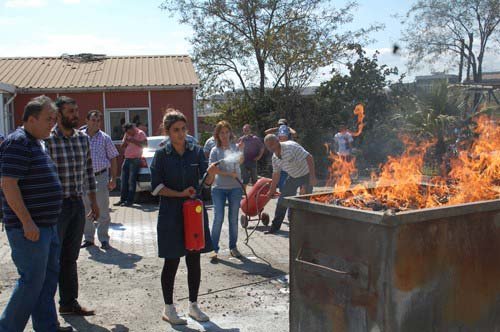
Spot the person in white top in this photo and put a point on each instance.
(292, 158)
(343, 142)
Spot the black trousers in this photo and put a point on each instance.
(70, 227)
(170, 270)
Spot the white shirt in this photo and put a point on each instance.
(343, 140)
(293, 160)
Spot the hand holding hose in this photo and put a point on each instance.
(213, 169)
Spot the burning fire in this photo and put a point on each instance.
(359, 111)
(474, 176)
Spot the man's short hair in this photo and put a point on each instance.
(271, 138)
(95, 113)
(36, 105)
(282, 122)
(64, 100)
(128, 126)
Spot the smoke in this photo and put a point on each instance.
(232, 156)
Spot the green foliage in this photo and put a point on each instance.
(204, 136)
(265, 43)
(439, 29)
(366, 83)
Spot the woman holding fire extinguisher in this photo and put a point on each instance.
(226, 187)
(176, 171)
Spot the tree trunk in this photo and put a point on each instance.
(469, 57)
(262, 71)
(460, 69)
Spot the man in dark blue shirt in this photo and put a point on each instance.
(31, 203)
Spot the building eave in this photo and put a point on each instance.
(7, 87)
(107, 89)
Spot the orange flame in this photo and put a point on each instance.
(474, 176)
(359, 111)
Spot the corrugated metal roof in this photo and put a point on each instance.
(98, 72)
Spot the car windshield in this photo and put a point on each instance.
(154, 142)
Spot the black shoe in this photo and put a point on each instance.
(86, 244)
(76, 310)
(119, 203)
(64, 329)
(105, 245)
(127, 204)
(271, 230)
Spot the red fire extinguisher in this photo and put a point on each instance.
(194, 230)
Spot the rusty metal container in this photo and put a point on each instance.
(416, 271)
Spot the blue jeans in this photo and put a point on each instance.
(219, 197)
(38, 266)
(130, 169)
(281, 183)
(289, 189)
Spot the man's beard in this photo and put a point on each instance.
(69, 124)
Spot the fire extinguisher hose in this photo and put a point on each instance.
(202, 183)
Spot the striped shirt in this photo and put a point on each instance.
(23, 157)
(73, 160)
(102, 150)
(293, 160)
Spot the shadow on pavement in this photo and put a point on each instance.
(114, 257)
(207, 327)
(253, 268)
(262, 228)
(117, 226)
(81, 324)
(212, 327)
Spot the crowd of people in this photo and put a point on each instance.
(56, 179)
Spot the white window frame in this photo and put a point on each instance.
(127, 110)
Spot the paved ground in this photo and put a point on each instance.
(123, 284)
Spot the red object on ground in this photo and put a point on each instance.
(194, 231)
(257, 198)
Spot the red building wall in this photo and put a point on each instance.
(160, 101)
(20, 102)
(178, 99)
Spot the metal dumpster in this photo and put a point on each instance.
(423, 270)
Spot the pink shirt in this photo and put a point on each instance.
(132, 150)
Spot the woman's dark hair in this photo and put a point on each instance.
(36, 105)
(172, 116)
(218, 127)
(128, 126)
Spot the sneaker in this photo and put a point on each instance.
(105, 245)
(235, 253)
(213, 257)
(196, 314)
(170, 315)
(86, 244)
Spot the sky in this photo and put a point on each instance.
(140, 27)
